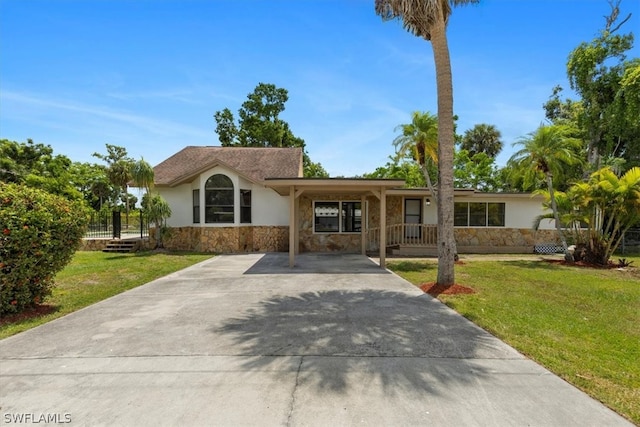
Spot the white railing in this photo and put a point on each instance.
(405, 235)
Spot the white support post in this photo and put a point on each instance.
(383, 227)
(297, 222)
(363, 224)
(292, 226)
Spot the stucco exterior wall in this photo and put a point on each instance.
(268, 208)
(520, 211)
(179, 199)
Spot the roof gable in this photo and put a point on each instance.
(253, 163)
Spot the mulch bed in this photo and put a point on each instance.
(434, 289)
(29, 313)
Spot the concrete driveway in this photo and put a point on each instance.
(244, 340)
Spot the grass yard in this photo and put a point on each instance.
(94, 276)
(581, 323)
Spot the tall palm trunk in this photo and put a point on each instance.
(427, 178)
(554, 207)
(446, 238)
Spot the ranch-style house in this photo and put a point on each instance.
(242, 199)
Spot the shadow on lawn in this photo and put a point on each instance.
(399, 341)
(540, 264)
(151, 252)
(408, 266)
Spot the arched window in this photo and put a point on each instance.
(218, 199)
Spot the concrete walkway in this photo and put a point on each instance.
(244, 340)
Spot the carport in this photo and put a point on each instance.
(295, 187)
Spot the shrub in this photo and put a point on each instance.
(39, 234)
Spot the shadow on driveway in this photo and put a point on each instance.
(390, 335)
(315, 263)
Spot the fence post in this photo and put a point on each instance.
(117, 224)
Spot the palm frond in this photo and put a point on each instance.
(418, 16)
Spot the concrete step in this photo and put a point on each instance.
(121, 246)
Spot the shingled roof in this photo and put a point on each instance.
(255, 164)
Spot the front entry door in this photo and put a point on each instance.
(412, 215)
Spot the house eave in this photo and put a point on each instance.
(185, 179)
(331, 185)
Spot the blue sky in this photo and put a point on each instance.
(148, 75)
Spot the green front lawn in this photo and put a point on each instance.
(94, 276)
(581, 323)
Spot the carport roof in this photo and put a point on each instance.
(331, 185)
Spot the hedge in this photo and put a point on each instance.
(39, 234)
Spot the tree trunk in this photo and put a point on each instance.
(567, 255)
(159, 243)
(126, 198)
(446, 238)
(427, 178)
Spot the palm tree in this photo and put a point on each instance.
(142, 175)
(614, 205)
(482, 138)
(158, 210)
(419, 140)
(118, 171)
(428, 19)
(547, 151)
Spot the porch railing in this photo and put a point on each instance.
(404, 234)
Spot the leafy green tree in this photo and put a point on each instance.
(625, 129)
(563, 112)
(119, 167)
(102, 191)
(609, 115)
(428, 19)
(482, 138)
(410, 171)
(313, 169)
(91, 180)
(478, 171)
(260, 125)
(35, 165)
(546, 152)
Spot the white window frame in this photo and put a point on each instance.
(486, 215)
(363, 216)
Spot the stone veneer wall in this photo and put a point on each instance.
(101, 243)
(488, 239)
(323, 242)
(227, 240)
(394, 211)
(271, 239)
(93, 244)
(342, 242)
